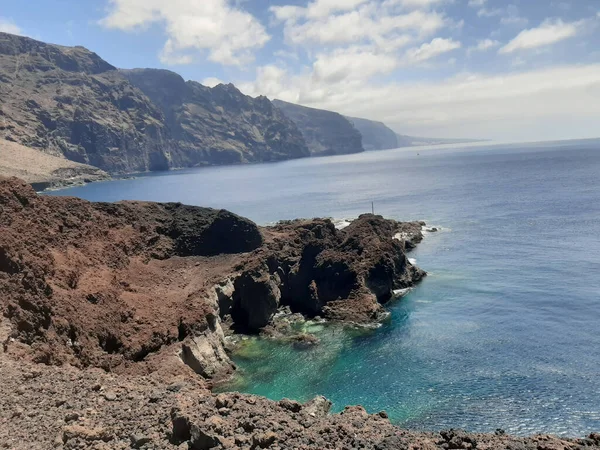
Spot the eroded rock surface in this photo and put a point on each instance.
(45, 407)
(325, 132)
(111, 332)
(69, 102)
(107, 285)
(113, 285)
(317, 270)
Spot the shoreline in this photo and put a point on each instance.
(113, 323)
(466, 146)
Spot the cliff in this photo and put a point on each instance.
(106, 285)
(44, 171)
(325, 132)
(67, 101)
(138, 289)
(375, 135)
(219, 125)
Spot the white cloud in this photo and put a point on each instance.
(477, 3)
(372, 22)
(415, 3)
(317, 9)
(483, 45)
(353, 63)
(485, 12)
(549, 32)
(324, 8)
(229, 34)
(431, 49)
(513, 17)
(526, 105)
(8, 26)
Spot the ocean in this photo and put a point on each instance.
(505, 330)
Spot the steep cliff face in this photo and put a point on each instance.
(375, 135)
(219, 125)
(110, 285)
(69, 102)
(325, 132)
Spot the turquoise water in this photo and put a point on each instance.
(504, 333)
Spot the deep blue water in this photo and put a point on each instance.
(504, 333)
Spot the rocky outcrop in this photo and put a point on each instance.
(67, 101)
(109, 285)
(375, 135)
(317, 270)
(134, 288)
(62, 407)
(325, 132)
(205, 354)
(44, 171)
(112, 285)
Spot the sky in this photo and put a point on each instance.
(516, 70)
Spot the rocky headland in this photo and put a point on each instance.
(375, 135)
(326, 133)
(114, 319)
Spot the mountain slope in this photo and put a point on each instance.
(219, 124)
(375, 135)
(69, 102)
(325, 132)
(42, 170)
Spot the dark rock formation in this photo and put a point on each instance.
(68, 102)
(219, 125)
(255, 300)
(108, 284)
(375, 135)
(111, 286)
(325, 132)
(318, 270)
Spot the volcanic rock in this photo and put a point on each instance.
(132, 368)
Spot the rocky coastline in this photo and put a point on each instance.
(114, 316)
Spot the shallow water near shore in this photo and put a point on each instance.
(504, 331)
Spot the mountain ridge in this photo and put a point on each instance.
(69, 102)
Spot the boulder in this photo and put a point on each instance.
(317, 407)
(205, 354)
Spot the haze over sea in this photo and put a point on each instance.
(504, 333)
